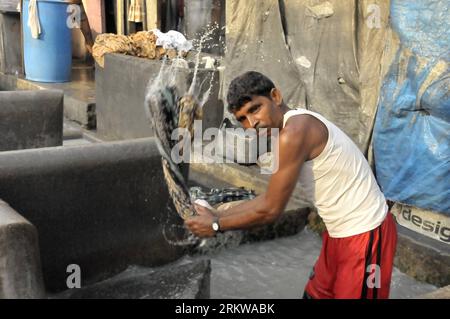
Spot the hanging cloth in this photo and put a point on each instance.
(136, 13)
(33, 19)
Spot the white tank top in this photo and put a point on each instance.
(341, 185)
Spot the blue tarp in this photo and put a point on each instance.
(411, 133)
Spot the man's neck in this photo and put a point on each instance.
(284, 109)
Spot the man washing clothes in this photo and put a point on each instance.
(359, 244)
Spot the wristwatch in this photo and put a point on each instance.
(215, 225)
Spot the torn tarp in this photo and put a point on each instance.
(411, 134)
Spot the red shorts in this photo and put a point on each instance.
(358, 266)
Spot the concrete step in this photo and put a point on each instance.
(79, 93)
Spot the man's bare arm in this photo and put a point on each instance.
(294, 148)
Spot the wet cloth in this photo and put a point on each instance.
(33, 19)
(221, 195)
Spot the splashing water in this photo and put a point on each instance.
(199, 46)
(169, 105)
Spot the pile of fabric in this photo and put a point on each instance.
(142, 44)
(110, 43)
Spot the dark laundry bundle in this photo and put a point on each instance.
(169, 111)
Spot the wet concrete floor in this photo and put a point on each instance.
(280, 269)
(274, 269)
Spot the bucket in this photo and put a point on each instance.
(49, 57)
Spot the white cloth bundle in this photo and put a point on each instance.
(172, 40)
(33, 19)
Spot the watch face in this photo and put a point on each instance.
(215, 226)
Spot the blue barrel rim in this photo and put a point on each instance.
(59, 1)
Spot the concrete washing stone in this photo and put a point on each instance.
(102, 207)
(20, 267)
(31, 119)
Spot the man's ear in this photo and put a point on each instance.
(276, 96)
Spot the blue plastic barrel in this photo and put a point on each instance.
(48, 58)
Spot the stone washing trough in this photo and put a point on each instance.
(100, 207)
(103, 207)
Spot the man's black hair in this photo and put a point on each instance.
(245, 86)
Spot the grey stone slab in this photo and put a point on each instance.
(79, 95)
(31, 119)
(20, 267)
(71, 131)
(76, 142)
(80, 111)
(185, 280)
(423, 258)
(102, 206)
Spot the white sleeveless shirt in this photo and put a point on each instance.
(341, 185)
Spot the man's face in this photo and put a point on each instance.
(260, 112)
